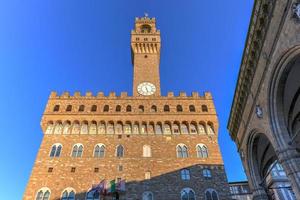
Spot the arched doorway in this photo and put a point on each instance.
(284, 105)
(266, 172)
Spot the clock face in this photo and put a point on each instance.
(146, 88)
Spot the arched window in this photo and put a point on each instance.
(127, 128)
(58, 127)
(50, 128)
(119, 128)
(210, 129)
(179, 108)
(120, 151)
(167, 128)
(193, 127)
(158, 128)
(81, 108)
(192, 108)
(175, 128)
(77, 150)
(43, 194)
(204, 108)
(151, 128)
(206, 173)
(147, 196)
(202, 151)
(68, 194)
(153, 108)
(93, 195)
(106, 108)
(184, 128)
(101, 128)
(93, 128)
(145, 28)
(182, 151)
(202, 129)
(99, 151)
(69, 108)
(146, 151)
(56, 108)
(143, 128)
(185, 174)
(187, 194)
(141, 108)
(110, 128)
(135, 128)
(76, 128)
(211, 194)
(166, 108)
(94, 108)
(67, 127)
(84, 128)
(55, 150)
(128, 108)
(118, 108)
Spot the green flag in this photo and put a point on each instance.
(112, 186)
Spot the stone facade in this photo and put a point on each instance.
(264, 119)
(160, 123)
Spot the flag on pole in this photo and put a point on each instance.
(121, 186)
(112, 186)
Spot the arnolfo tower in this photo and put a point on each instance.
(144, 146)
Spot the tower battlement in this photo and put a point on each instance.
(124, 95)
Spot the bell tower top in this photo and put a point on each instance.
(145, 52)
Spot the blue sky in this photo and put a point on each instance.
(66, 45)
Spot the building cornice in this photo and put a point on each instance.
(258, 27)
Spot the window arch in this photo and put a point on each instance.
(69, 108)
(77, 150)
(192, 108)
(153, 108)
(119, 128)
(193, 128)
(210, 128)
(106, 108)
(202, 151)
(68, 194)
(211, 194)
(206, 173)
(204, 108)
(81, 108)
(128, 108)
(147, 195)
(127, 128)
(43, 194)
(175, 128)
(110, 128)
(93, 195)
(184, 128)
(187, 194)
(94, 108)
(120, 151)
(202, 128)
(167, 128)
(55, 150)
(158, 128)
(56, 108)
(185, 174)
(179, 108)
(166, 108)
(118, 108)
(182, 151)
(145, 28)
(99, 151)
(146, 151)
(141, 108)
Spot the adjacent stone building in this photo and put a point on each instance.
(265, 114)
(164, 147)
(240, 190)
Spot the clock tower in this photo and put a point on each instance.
(145, 50)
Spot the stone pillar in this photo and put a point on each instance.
(290, 161)
(259, 194)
